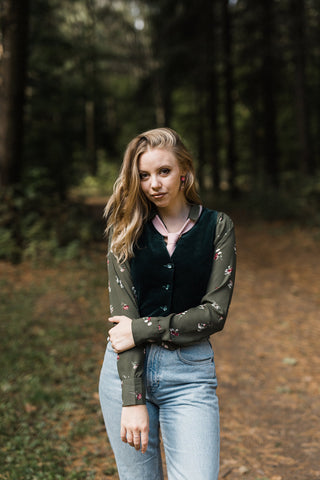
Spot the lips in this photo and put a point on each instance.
(158, 196)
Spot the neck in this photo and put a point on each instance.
(175, 216)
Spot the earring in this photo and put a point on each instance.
(183, 179)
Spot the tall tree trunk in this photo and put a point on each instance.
(14, 30)
(315, 111)
(162, 97)
(90, 104)
(159, 108)
(229, 90)
(200, 141)
(90, 137)
(268, 94)
(212, 92)
(307, 164)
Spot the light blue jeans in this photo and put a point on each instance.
(181, 400)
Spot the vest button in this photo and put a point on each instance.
(168, 265)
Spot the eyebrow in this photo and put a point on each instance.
(159, 168)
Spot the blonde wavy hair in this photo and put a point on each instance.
(128, 208)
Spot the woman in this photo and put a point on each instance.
(171, 267)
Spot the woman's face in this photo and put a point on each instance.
(160, 177)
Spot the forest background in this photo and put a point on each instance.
(239, 80)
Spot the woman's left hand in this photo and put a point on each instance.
(121, 337)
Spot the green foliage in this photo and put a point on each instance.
(35, 224)
(101, 183)
(298, 199)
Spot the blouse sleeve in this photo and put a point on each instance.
(207, 318)
(123, 302)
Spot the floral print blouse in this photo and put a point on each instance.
(177, 329)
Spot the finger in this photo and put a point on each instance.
(136, 441)
(112, 340)
(114, 319)
(130, 438)
(123, 434)
(144, 441)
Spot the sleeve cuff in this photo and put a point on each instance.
(146, 329)
(133, 392)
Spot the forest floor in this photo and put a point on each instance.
(267, 358)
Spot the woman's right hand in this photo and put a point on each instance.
(135, 426)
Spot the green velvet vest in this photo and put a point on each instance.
(173, 284)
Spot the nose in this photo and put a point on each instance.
(155, 182)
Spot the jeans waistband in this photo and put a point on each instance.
(170, 346)
(173, 346)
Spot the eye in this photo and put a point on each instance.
(165, 171)
(143, 175)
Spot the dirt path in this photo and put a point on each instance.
(268, 358)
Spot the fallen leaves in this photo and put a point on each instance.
(267, 359)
